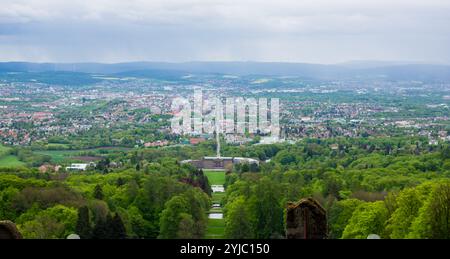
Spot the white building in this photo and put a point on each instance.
(77, 167)
(217, 188)
(269, 140)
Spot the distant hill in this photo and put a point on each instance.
(162, 74)
(49, 77)
(388, 70)
(364, 64)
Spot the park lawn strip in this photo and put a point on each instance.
(216, 210)
(217, 197)
(215, 177)
(216, 227)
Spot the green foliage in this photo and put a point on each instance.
(102, 228)
(368, 218)
(7, 197)
(339, 215)
(131, 203)
(29, 157)
(189, 209)
(265, 210)
(55, 222)
(268, 209)
(285, 157)
(446, 152)
(118, 230)
(239, 223)
(98, 192)
(45, 197)
(83, 227)
(172, 216)
(434, 216)
(408, 202)
(186, 227)
(394, 187)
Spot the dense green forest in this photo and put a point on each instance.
(128, 203)
(396, 188)
(393, 187)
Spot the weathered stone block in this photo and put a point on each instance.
(306, 219)
(8, 230)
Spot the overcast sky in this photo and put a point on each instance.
(315, 31)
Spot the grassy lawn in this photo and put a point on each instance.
(59, 156)
(217, 197)
(7, 160)
(216, 210)
(215, 177)
(10, 161)
(57, 146)
(215, 229)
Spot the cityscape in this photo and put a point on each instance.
(214, 128)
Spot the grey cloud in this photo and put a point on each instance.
(323, 31)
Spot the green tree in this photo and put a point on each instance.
(194, 203)
(98, 192)
(409, 202)
(333, 184)
(368, 218)
(238, 220)
(102, 228)
(55, 222)
(120, 181)
(446, 152)
(139, 226)
(171, 217)
(285, 157)
(117, 227)
(265, 202)
(151, 200)
(83, 227)
(186, 227)
(7, 197)
(339, 215)
(198, 205)
(434, 217)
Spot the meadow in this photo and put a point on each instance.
(8, 160)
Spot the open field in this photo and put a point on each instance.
(84, 155)
(7, 160)
(60, 156)
(215, 177)
(10, 161)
